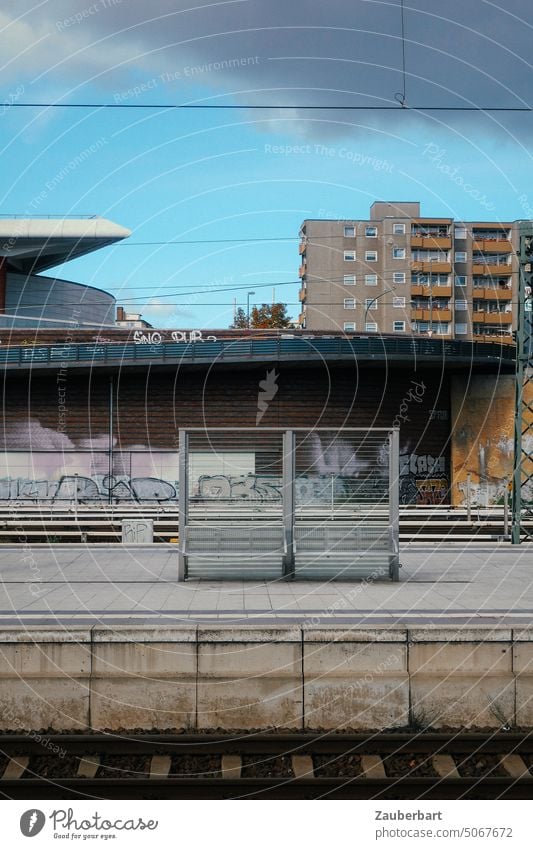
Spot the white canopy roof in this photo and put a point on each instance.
(35, 244)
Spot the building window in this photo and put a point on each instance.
(398, 229)
(426, 255)
(349, 303)
(398, 326)
(371, 232)
(438, 327)
(349, 279)
(398, 253)
(349, 256)
(398, 277)
(349, 232)
(371, 256)
(460, 232)
(429, 279)
(460, 280)
(461, 329)
(371, 303)
(349, 327)
(460, 256)
(398, 302)
(461, 305)
(371, 327)
(371, 280)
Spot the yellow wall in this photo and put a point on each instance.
(482, 413)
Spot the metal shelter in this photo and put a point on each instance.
(270, 503)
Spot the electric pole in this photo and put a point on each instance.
(523, 423)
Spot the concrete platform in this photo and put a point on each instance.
(297, 677)
(105, 638)
(91, 585)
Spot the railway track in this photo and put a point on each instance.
(287, 766)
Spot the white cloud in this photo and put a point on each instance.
(162, 314)
(339, 52)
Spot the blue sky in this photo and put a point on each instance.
(246, 174)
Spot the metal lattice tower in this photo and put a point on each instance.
(523, 430)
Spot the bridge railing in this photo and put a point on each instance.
(229, 350)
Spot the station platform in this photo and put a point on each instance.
(104, 638)
(90, 585)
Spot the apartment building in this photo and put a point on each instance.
(401, 273)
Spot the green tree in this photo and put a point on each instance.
(240, 322)
(269, 315)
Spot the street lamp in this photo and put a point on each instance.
(248, 308)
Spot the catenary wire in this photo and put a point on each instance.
(268, 106)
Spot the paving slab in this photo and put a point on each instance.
(455, 583)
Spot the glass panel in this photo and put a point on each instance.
(231, 472)
(337, 474)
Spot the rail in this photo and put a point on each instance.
(298, 765)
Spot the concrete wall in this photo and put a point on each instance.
(223, 677)
(482, 414)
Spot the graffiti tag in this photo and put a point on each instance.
(158, 337)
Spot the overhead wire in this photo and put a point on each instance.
(268, 106)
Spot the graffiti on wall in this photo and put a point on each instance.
(157, 337)
(423, 479)
(89, 489)
(491, 470)
(249, 487)
(309, 490)
(339, 476)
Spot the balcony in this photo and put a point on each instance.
(302, 294)
(302, 270)
(490, 294)
(436, 291)
(431, 315)
(492, 270)
(301, 247)
(301, 318)
(503, 339)
(480, 317)
(434, 267)
(494, 246)
(431, 242)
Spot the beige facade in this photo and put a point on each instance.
(401, 273)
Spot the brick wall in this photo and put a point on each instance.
(150, 407)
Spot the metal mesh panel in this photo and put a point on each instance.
(341, 538)
(237, 551)
(206, 540)
(334, 550)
